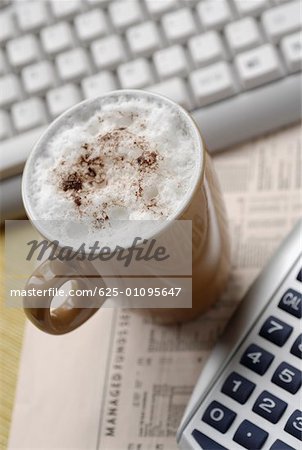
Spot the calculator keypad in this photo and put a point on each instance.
(252, 405)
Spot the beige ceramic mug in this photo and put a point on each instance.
(203, 207)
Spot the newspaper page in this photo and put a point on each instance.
(138, 379)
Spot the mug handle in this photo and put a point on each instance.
(53, 274)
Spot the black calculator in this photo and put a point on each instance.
(249, 394)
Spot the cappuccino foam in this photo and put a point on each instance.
(135, 158)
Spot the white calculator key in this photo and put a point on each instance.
(135, 74)
(143, 39)
(171, 62)
(243, 34)
(31, 15)
(251, 7)
(125, 13)
(65, 8)
(73, 65)
(212, 83)
(206, 48)
(29, 114)
(98, 84)
(57, 38)
(23, 50)
(7, 27)
(10, 90)
(62, 98)
(291, 47)
(38, 78)
(258, 66)
(3, 65)
(176, 89)
(91, 25)
(109, 52)
(281, 20)
(214, 14)
(5, 125)
(179, 25)
(158, 7)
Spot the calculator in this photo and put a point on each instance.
(249, 394)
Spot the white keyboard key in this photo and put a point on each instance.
(73, 65)
(171, 62)
(3, 65)
(31, 15)
(7, 27)
(5, 125)
(125, 13)
(109, 52)
(291, 47)
(212, 83)
(10, 90)
(38, 78)
(57, 38)
(179, 25)
(158, 7)
(206, 48)
(101, 3)
(98, 84)
(251, 7)
(91, 25)
(29, 114)
(258, 66)
(282, 20)
(143, 39)
(214, 14)
(62, 98)
(23, 50)
(243, 34)
(65, 8)
(175, 89)
(135, 74)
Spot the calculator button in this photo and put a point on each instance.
(299, 276)
(205, 442)
(280, 445)
(291, 303)
(257, 359)
(287, 377)
(269, 406)
(294, 424)
(276, 331)
(238, 387)
(250, 436)
(219, 417)
(297, 347)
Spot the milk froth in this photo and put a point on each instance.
(134, 158)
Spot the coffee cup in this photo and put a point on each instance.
(129, 147)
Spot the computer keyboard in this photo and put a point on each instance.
(235, 64)
(249, 393)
